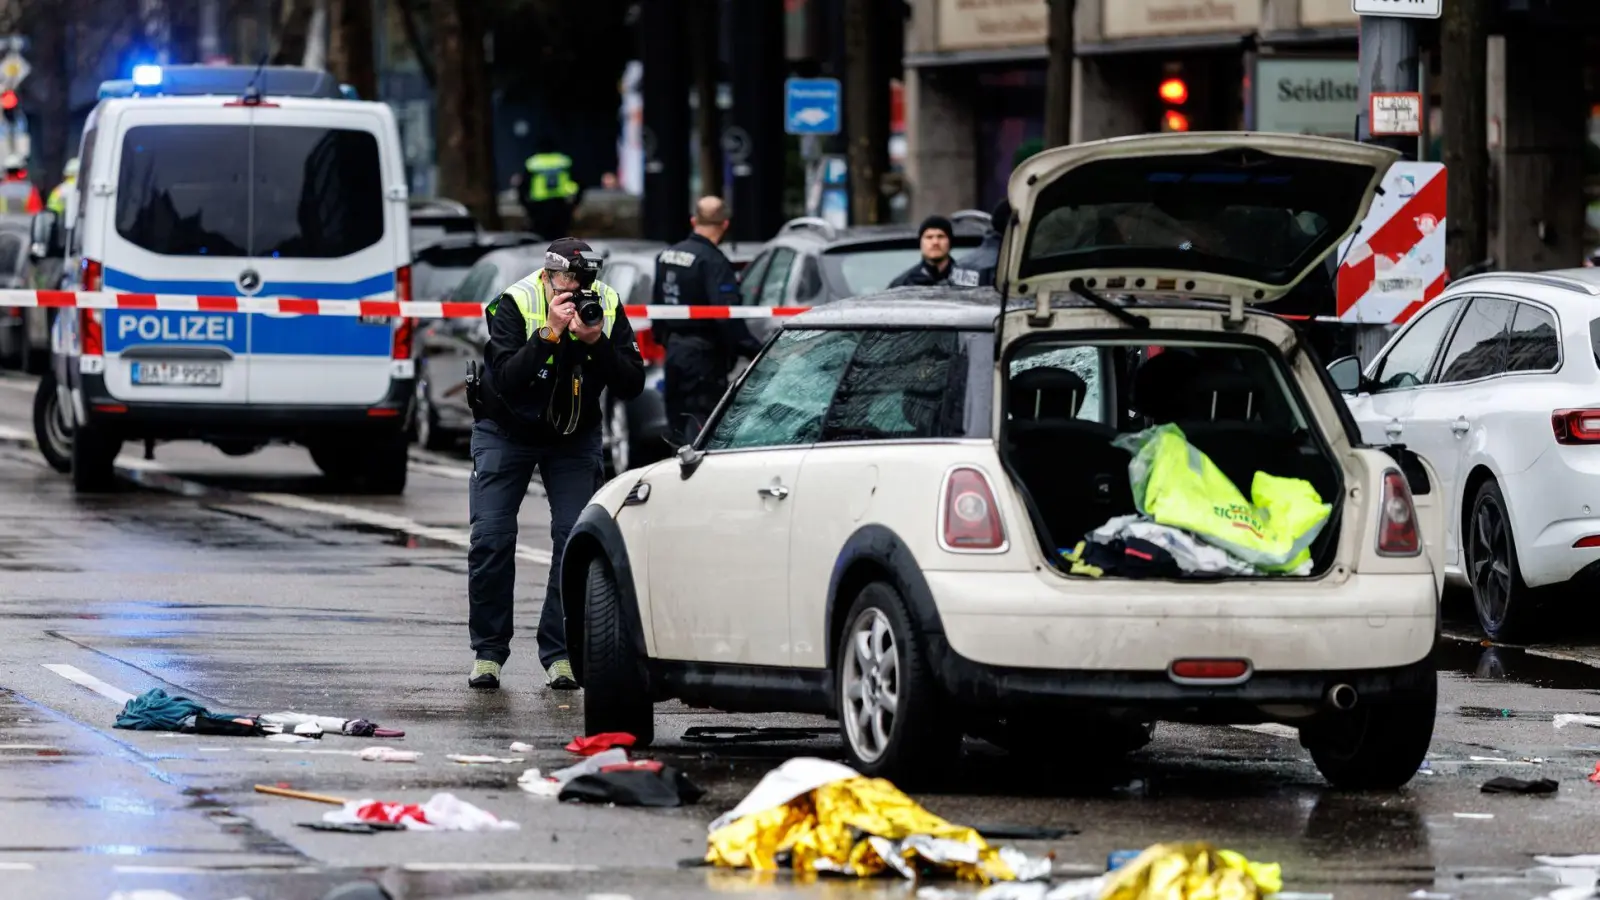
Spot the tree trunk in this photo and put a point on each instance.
(866, 110)
(294, 31)
(703, 30)
(44, 94)
(1058, 79)
(463, 129)
(407, 10)
(1463, 64)
(351, 57)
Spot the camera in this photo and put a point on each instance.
(590, 312)
(586, 267)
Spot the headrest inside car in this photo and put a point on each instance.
(1046, 392)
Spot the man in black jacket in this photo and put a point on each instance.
(694, 272)
(556, 340)
(936, 266)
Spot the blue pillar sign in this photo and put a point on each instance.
(811, 106)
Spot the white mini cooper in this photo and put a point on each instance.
(872, 524)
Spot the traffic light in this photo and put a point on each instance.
(1174, 93)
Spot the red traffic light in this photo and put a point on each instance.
(8, 100)
(1174, 91)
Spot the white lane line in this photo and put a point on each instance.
(498, 867)
(16, 867)
(460, 473)
(453, 536)
(77, 675)
(13, 433)
(1273, 729)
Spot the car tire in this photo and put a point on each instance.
(94, 455)
(1506, 607)
(1375, 747)
(51, 430)
(890, 710)
(615, 690)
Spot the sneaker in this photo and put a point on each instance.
(559, 676)
(485, 675)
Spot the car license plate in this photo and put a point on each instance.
(196, 374)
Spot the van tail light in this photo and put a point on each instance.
(91, 338)
(1397, 518)
(404, 328)
(402, 284)
(971, 518)
(93, 274)
(1576, 426)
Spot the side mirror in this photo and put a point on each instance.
(1346, 374)
(46, 236)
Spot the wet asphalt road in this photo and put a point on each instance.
(252, 586)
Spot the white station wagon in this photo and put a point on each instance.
(872, 524)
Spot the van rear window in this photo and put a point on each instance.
(233, 190)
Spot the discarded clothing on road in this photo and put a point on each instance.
(290, 721)
(1192, 871)
(599, 743)
(537, 783)
(1508, 785)
(156, 710)
(1176, 485)
(812, 815)
(388, 754)
(442, 812)
(639, 783)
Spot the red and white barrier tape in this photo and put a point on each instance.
(376, 308)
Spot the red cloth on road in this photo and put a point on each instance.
(599, 743)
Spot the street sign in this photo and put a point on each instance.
(811, 106)
(13, 68)
(1403, 9)
(1395, 114)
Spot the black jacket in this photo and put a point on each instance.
(925, 275)
(984, 260)
(694, 272)
(536, 400)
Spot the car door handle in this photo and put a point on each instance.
(1460, 425)
(774, 490)
(1393, 430)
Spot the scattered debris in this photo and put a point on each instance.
(1420, 894)
(520, 747)
(1595, 775)
(1583, 861)
(352, 827)
(1493, 759)
(283, 790)
(1507, 785)
(1192, 870)
(358, 890)
(1116, 859)
(483, 760)
(637, 784)
(1565, 719)
(599, 743)
(821, 816)
(332, 724)
(550, 785)
(1462, 815)
(1427, 768)
(156, 710)
(442, 812)
(286, 738)
(388, 754)
(742, 734)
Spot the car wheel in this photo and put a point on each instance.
(1375, 747)
(1506, 606)
(386, 464)
(616, 436)
(615, 691)
(429, 434)
(889, 708)
(94, 455)
(51, 429)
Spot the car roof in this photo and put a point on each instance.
(818, 231)
(966, 309)
(1557, 286)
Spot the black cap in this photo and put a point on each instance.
(939, 222)
(569, 248)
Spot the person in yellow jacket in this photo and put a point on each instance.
(69, 181)
(548, 191)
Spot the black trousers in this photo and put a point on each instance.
(696, 377)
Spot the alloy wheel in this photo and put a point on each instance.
(1490, 561)
(871, 682)
(424, 408)
(56, 429)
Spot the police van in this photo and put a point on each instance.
(221, 182)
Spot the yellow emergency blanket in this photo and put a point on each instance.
(1177, 485)
(828, 819)
(1193, 871)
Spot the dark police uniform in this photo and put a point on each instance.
(693, 272)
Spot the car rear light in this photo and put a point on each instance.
(1210, 669)
(1576, 426)
(971, 518)
(402, 284)
(1397, 518)
(93, 274)
(91, 340)
(1583, 543)
(403, 331)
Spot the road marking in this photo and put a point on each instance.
(389, 521)
(77, 675)
(1273, 729)
(460, 473)
(12, 433)
(498, 867)
(16, 867)
(22, 387)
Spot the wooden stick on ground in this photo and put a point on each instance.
(300, 795)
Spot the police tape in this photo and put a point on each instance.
(296, 306)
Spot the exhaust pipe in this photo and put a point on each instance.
(1342, 697)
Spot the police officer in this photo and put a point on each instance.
(986, 259)
(551, 193)
(693, 272)
(58, 195)
(553, 347)
(936, 266)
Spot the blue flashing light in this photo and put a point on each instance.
(146, 76)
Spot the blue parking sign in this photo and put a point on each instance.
(811, 106)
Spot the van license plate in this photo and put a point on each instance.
(197, 374)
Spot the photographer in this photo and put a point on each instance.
(557, 338)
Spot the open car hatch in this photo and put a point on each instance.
(1232, 215)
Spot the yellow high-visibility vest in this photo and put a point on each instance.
(529, 296)
(550, 177)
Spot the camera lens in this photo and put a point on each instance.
(590, 312)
